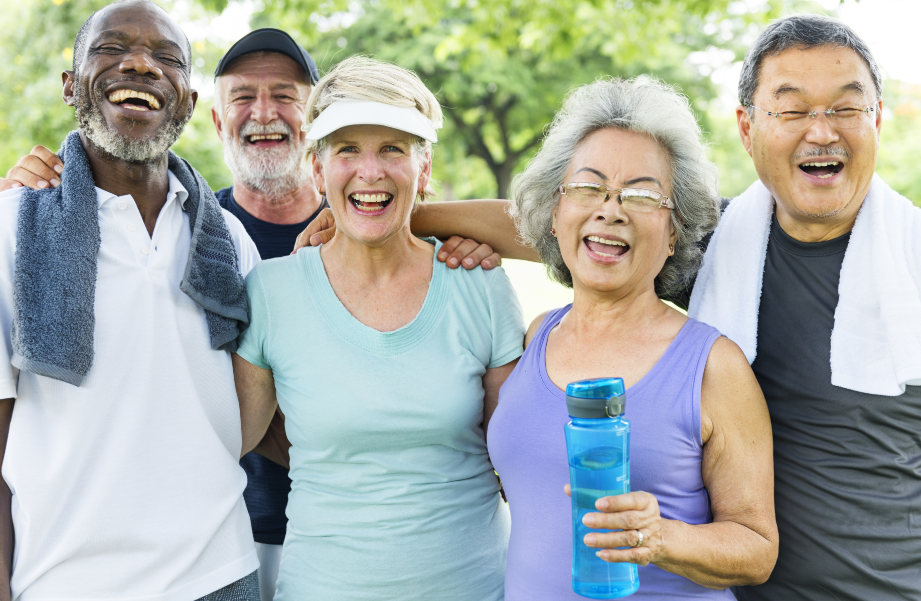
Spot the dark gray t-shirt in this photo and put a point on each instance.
(847, 465)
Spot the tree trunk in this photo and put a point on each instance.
(503, 174)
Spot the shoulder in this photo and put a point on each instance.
(535, 327)
(9, 220)
(729, 383)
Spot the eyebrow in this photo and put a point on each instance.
(250, 88)
(854, 86)
(595, 171)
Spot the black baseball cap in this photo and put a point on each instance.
(270, 40)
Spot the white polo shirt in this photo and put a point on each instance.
(129, 486)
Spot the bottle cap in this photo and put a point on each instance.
(595, 398)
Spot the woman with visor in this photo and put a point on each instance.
(386, 364)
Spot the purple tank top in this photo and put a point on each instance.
(528, 450)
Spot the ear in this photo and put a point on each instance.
(193, 100)
(879, 119)
(673, 236)
(318, 178)
(216, 119)
(68, 79)
(426, 176)
(745, 126)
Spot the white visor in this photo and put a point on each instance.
(343, 113)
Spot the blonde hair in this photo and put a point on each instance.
(367, 79)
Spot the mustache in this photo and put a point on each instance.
(831, 151)
(251, 128)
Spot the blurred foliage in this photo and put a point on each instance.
(500, 68)
(901, 139)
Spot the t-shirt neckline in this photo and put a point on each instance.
(365, 337)
(807, 249)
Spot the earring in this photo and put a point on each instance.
(552, 232)
(421, 195)
(304, 127)
(671, 249)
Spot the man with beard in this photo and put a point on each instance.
(122, 293)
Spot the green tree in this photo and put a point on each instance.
(501, 69)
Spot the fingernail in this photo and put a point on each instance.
(55, 182)
(601, 503)
(589, 540)
(589, 520)
(468, 262)
(453, 262)
(42, 183)
(59, 168)
(442, 256)
(598, 554)
(17, 185)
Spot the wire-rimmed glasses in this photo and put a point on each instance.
(589, 194)
(801, 117)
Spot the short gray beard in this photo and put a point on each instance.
(120, 146)
(274, 172)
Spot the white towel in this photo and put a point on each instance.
(876, 339)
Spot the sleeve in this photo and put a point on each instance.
(246, 249)
(253, 342)
(506, 320)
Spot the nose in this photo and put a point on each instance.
(263, 111)
(141, 63)
(611, 211)
(370, 168)
(821, 132)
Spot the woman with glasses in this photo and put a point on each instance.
(615, 204)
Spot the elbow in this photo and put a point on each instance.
(760, 570)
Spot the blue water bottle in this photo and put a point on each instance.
(598, 444)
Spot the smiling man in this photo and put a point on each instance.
(815, 272)
(122, 293)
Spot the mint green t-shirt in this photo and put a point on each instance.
(393, 495)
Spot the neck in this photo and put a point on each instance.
(611, 315)
(295, 206)
(375, 265)
(814, 229)
(147, 183)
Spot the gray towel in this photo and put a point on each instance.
(54, 283)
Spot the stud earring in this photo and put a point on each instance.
(552, 232)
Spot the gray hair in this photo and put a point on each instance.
(643, 105)
(801, 31)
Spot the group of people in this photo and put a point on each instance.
(171, 398)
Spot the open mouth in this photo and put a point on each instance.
(266, 139)
(606, 247)
(134, 100)
(370, 203)
(822, 170)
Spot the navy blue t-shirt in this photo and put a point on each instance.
(268, 485)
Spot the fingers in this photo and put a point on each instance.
(38, 170)
(639, 555)
(624, 512)
(568, 490)
(319, 231)
(6, 184)
(457, 251)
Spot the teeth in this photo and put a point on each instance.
(829, 164)
(257, 137)
(121, 95)
(604, 241)
(371, 198)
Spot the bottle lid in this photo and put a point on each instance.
(598, 397)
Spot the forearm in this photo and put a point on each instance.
(717, 555)
(6, 515)
(486, 221)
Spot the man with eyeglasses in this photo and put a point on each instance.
(815, 272)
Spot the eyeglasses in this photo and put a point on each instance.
(795, 119)
(640, 200)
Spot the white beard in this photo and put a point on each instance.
(275, 172)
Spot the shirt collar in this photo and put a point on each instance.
(176, 189)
